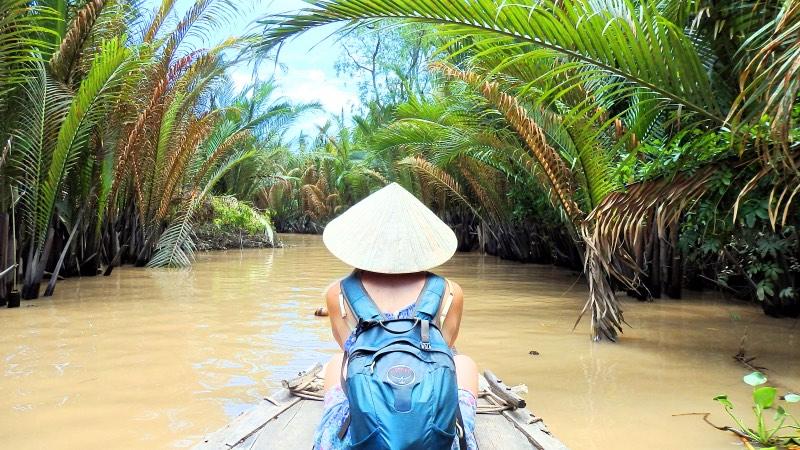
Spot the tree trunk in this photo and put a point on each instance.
(675, 286)
(5, 249)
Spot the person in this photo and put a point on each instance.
(392, 240)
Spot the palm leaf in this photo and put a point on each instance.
(770, 82)
(603, 38)
(558, 175)
(175, 247)
(42, 109)
(24, 38)
(65, 58)
(438, 180)
(91, 101)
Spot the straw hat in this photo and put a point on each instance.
(390, 232)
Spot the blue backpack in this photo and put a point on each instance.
(401, 380)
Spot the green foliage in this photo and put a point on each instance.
(685, 152)
(768, 430)
(745, 255)
(230, 214)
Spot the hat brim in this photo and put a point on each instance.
(390, 232)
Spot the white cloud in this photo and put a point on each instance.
(240, 78)
(314, 85)
(308, 86)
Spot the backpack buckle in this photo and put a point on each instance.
(425, 336)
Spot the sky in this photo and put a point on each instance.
(307, 73)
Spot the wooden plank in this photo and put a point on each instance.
(536, 432)
(304, 380)
(293, 429)
(498, 388)
(248, 422)
(494, 432)
(285, 421)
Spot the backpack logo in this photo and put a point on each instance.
(400, 375)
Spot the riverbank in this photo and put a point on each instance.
(226, 223)
(211, 238)
(157, 358)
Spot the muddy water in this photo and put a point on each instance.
(157, 358)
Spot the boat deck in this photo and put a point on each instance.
(287, 419)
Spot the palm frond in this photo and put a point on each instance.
(598, 38)
(558, 175)
(91, 100)
(65, 58)
(438, 180)
(176, 247)
(770, 82)
(24, 39)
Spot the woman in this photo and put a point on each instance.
(392, 240)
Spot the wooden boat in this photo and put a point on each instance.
(286, 420)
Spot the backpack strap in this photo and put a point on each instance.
(447, 303)
(349, 319)
(430, 298)
(360, 303)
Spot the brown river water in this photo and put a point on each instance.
(157, 358)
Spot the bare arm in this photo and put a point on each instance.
(452, 321)
(339, 327)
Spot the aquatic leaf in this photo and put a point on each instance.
(723, 399)
(755, 379)
(779, 413)
(792, 398)
(764, 396)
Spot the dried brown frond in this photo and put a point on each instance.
(314, 206)
(437, 180)
(331, 201)
(223, 149)
(317, 192)
(273, 196)
(376, 175)
(322, 181)
(485, 200)
(489, 184)
(606, 316)
(158, 20)
(613, 230)
(66, 57)
(622, 219)
(135, 136)
(779, 204)
(182, 28)
(617, 225)
(309, 176)
(553, 166)
(197, 132)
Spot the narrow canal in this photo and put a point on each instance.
(157, 358)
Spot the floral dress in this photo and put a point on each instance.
(336, 408)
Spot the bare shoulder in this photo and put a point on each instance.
(458, 293)
(332, 294)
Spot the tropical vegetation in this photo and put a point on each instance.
(115, 127)
(663, 135)
(651, 144)
(781, 429)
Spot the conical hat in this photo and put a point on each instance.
(390, 232)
